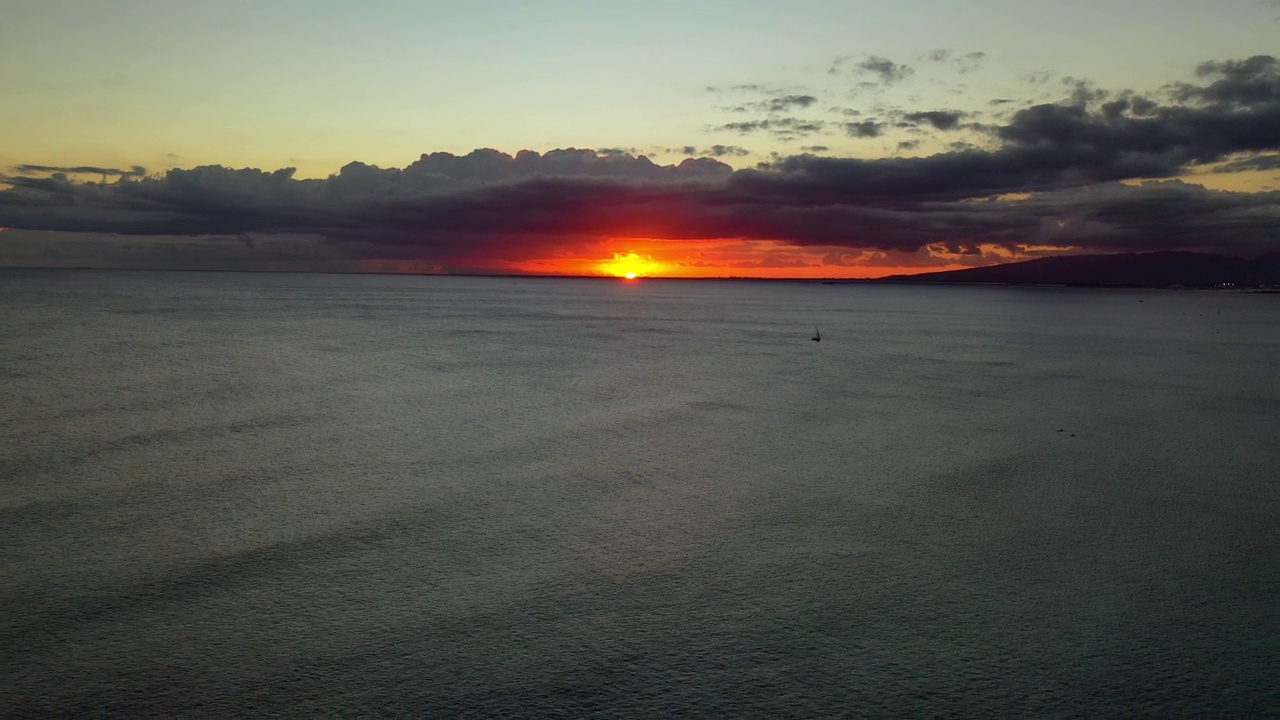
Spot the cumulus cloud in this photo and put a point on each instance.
(726, 151)
(888, 71)
(864, 129)
(882, 69)
(1235, 82)
(786, 127)
(961, 62)
(782, 103)
(1051, 175)
(938, 119)
(715, 151)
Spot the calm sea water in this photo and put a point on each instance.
(302, 494)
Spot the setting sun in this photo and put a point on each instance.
(631, 266)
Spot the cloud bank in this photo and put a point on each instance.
(1081, 173)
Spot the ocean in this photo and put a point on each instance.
(285, 494)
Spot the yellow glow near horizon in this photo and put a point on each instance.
(629, 265)
(733, 257)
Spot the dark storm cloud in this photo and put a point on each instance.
(1164, 215)
(1103, 145)
(1129, 103)
(1051, 175)
(492, 165)
(1235, 82)
(1083, 92)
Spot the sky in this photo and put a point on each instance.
(811, 138)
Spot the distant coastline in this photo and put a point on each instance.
(1165, 269)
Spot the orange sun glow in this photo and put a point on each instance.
(642, 258)
(630, 265)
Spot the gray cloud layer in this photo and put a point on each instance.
(460, 210)
(135, 171)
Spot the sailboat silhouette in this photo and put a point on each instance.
(817, 336)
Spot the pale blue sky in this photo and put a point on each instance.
(318, 83)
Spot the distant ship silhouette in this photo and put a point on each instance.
(817, 336)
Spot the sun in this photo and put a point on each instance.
(630, 266)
